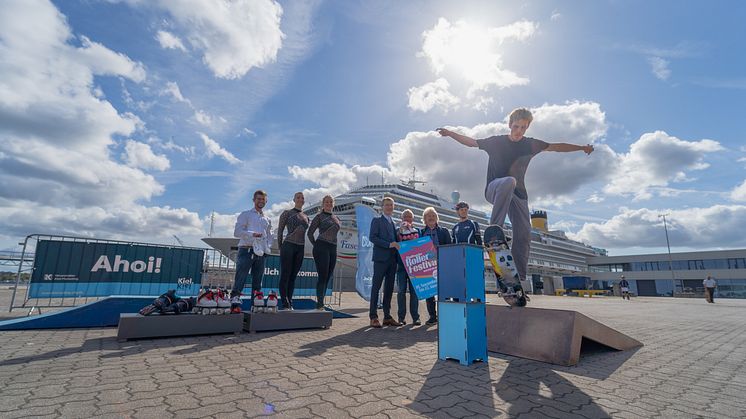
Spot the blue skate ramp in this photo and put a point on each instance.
(105, 313)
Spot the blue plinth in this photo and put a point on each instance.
(461, 273)
(462, 332)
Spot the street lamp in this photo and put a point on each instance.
(670, 260)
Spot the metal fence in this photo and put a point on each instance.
(216, 269)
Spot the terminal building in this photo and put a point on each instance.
(681, 275)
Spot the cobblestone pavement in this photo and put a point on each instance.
(692, 365)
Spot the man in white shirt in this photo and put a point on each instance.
(254, 231)
(710, 286)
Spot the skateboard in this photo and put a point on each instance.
(508, 280)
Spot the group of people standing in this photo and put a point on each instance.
(509, 157)
(254, 229)
(388, 265)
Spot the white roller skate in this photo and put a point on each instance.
(207, 302)
(224, 301)
(271, 303)
(257, 303)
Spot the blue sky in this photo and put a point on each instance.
(136, 120)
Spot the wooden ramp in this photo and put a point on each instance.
(554, 336)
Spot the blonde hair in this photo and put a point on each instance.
(427, 211)
(407, 211)
(520, 113)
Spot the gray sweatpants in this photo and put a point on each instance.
(505, 202)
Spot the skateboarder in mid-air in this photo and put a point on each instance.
(509, 156)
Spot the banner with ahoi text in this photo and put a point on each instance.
(421, 262)
(364, 276)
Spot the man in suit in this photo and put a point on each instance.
(385, 257)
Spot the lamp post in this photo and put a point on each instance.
(670, 260)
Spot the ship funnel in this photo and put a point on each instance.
(539, 220)
(455, 197)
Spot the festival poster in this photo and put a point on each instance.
(421, 262)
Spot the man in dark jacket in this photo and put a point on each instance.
(440, 236)
(385, 257)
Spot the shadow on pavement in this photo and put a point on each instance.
(454, 390)
(367, 337)
(535, 388)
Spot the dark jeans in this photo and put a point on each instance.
(247, 262)
(710, 294)
(384, 273)
(431, 307)
(402, 279)
(291, 259)
(325, 256)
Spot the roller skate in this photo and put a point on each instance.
(236, 304)
(501, 259)
(160, 303)
(257, 303)
(182, 305)
(271, 303)
(224, 302)
(207, 302)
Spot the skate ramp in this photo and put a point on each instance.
(547, 335)
(106, 312)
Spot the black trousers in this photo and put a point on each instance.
(325, 256)
(430, 303)
(384, 273)
(291, 259)
(710, 293)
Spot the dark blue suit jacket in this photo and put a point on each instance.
(382, 233)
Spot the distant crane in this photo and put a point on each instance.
(413, 181)
(178, 240)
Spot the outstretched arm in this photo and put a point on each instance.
(463, 139)
(566, 148)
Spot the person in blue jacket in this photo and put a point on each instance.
(440, 236)
(385, 262)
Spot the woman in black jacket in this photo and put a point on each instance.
(440, 236)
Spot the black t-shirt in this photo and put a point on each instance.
(510, 158)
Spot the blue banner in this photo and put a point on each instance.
(421, 263)
(80, 269)
(364, 275)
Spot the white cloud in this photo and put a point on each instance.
(172, 89)
(642, 168)
(432, 94)
(57, 131)
(214, 149)
(202, 117)
(140, 155)
(233, 36)
(555, 16)
(707, 227)
(739, 192)
(448, 166)
(471, 52)
(169, 41)
(659, 67)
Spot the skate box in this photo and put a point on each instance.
(461, 273)
(135, 326)
(287, 320)
(462, 332)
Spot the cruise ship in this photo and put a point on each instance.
(552, 256)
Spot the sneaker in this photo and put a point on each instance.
(417, 322)
(402, 322)
(432, 320)
(375, 323)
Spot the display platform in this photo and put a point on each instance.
(287, 320)
(554, 336)
(135, 326)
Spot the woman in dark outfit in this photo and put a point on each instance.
(291, 248)
(324, 246)
(439, 236)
